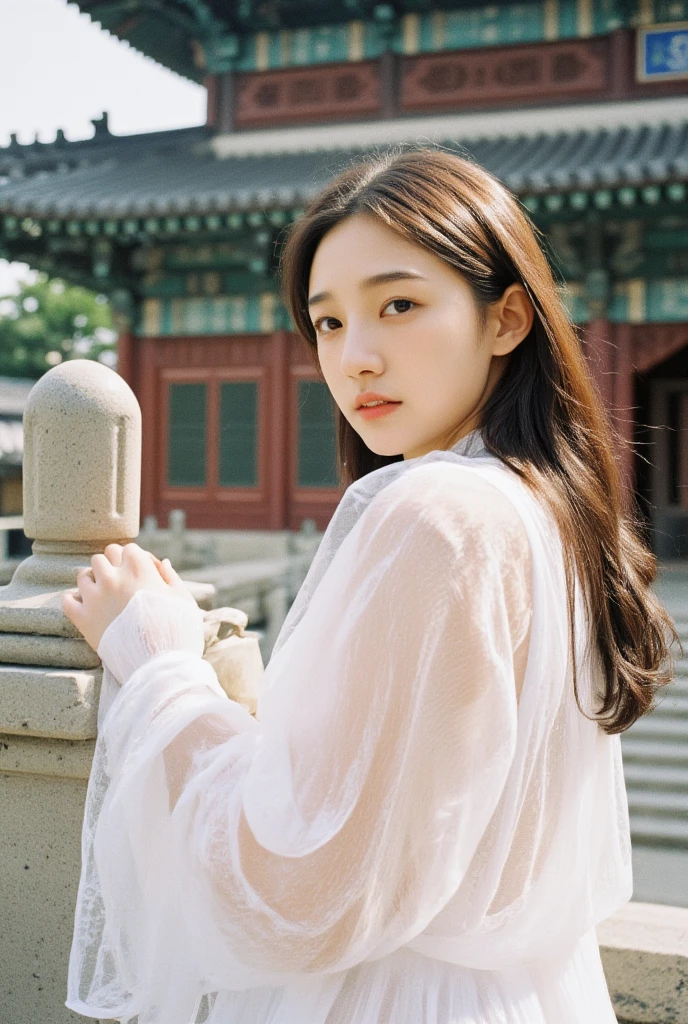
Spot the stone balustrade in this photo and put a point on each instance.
(81, 491)
(82, 469)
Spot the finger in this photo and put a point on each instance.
(167, 572)
(113, 552)
(133, 550)
(86, 584)
(160, 568)
(73, 607)
(138, 561)
(171, 576)
(102, 568)
(135, 558)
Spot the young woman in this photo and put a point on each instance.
(427, 818)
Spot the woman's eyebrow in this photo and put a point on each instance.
(391, 275)
(372, 282)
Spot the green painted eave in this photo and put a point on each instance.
(163, 31)
(560, 206)
(181, 33)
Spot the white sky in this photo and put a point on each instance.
(59, 70)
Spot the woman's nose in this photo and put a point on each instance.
(360, 354)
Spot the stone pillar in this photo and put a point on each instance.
(82, 469)
(276, 605)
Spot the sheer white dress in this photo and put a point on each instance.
(420, 827)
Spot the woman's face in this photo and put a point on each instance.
(393, 319)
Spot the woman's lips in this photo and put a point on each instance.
(373, 412)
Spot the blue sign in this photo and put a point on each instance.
(662, 52)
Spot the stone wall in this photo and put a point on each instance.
(644, 949)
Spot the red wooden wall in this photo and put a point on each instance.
(616, 352)
(278, 361)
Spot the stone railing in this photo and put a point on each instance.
(190, 549)
(81, 491)
(82, 469)
(258, 571)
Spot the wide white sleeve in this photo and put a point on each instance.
(230, 852)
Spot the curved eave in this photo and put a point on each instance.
(152, 35)
(552, 172)
(171, 39)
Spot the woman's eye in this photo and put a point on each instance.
(326, 325)
(398, 306)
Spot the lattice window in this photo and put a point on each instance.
(186, 435)
(316, 452)
(238, 448)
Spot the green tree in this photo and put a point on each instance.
(50, 320)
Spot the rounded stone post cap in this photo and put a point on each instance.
(82, 455)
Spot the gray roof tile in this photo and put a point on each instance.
(178, 173)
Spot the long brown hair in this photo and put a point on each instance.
(544, 418)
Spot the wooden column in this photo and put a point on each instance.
(220, 105)
(210, 83)
(225, 102)
(683, 452)
(624, 411)
(278, 442)
(125, 357)
(621, 63)
(150, 414)
(599, 348)
(389, 84)
(660, 493)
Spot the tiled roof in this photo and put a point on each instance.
(19, 161)
(183, 175)
(167, 30)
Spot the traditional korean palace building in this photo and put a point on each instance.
(579, 106)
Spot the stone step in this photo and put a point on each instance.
(655, 804)
(675, 708)
(672, 703)
(656, 777)
(660, 724)
(648, 829)
(671, 700)
(654, 751)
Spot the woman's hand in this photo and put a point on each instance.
(104, 590)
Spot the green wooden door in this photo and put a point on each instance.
(238, 447)
(316, 442)
(186, 435)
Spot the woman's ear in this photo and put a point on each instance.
(511, 319)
